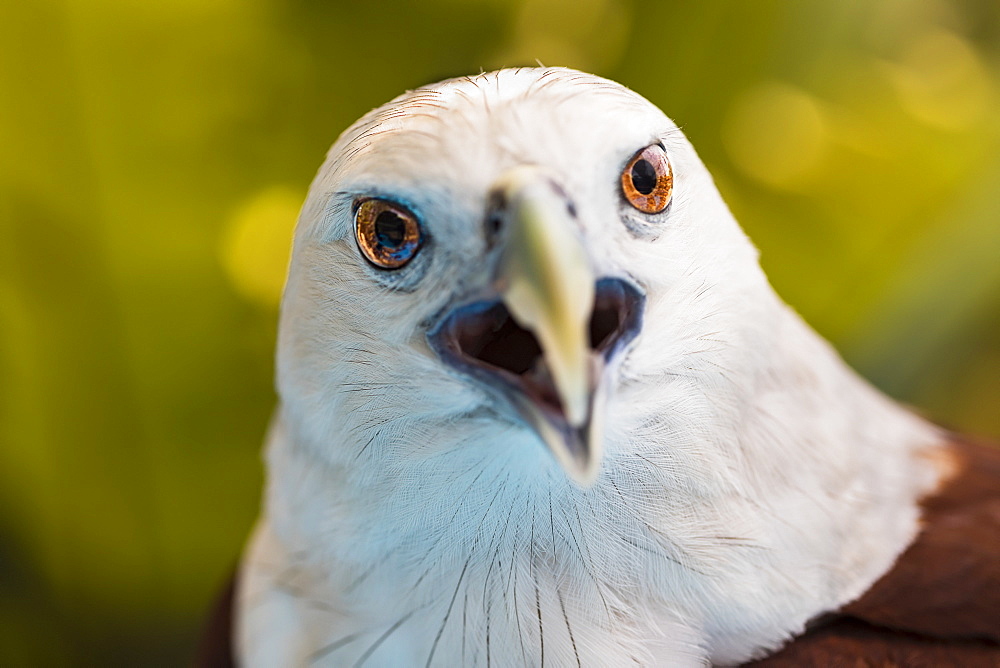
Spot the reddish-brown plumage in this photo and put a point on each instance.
(937, 608)
(215, 650)
(850, 643)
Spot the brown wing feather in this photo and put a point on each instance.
(215, 650)
(851, 643)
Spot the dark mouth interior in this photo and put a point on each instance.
(484, 337)
(493, 338)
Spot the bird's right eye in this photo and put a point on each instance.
(388, 235)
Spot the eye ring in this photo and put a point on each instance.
(387, 233)
(648, 180)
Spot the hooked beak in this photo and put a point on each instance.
(545, 340)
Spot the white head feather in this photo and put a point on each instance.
(750, 481)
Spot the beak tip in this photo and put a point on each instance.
(583, 474)
(583, 463)
(577, 450)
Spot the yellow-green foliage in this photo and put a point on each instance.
(153, 156)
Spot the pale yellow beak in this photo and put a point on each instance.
(547, 283)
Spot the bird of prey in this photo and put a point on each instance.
(540, 406)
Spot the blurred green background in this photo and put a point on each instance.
(153, 156)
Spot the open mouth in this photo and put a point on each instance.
(484, 340)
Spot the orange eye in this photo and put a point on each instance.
(388, 234)
(648, 180)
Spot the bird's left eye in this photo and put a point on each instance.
(388, 235)
(648, 180)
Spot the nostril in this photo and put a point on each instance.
(493, 223)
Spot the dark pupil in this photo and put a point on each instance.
(390, 229)
(643, 177)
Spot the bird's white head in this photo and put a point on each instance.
(522, 328)
(509, 253)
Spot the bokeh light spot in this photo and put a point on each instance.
(588, 34)
(258, 242)
(941, 81)
(776, 134)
